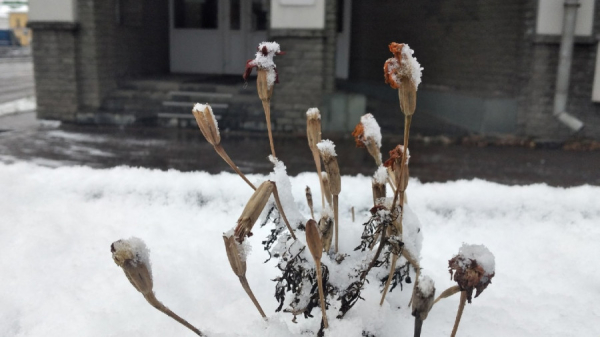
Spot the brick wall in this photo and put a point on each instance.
(307, 71)
(55, 72)
(464, 45)
(539, 66)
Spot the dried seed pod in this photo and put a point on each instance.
(326, 190)
(207, 123)
(313, 127)
(313, 240)
(379, 183)
(132, 256)
(327, 150)
(309, 201)
(367, 134)
(473, 269)
(253, 209)
(395, 163)
(423, 297)
(238, 265)
(265, 92)
(326, 229)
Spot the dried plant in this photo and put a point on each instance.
(237, 259)
(313, 135)
(132, 256)
(388, 248)
(313, 240)
(266, 78)
(473, 269)
(210, 129)
(327, 151)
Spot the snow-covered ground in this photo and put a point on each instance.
(57, 277)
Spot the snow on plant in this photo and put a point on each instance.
(313, 272)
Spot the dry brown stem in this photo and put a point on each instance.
(326, 190)
(389, 280)
(161, 307)
(461, 307)
(228, 160)
(337, 221)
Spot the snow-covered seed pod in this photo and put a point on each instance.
(253, 209)
(326, 229)
(207, 123)
(313, 127)
(132, 256)
(423, 297)
(327, 150)
(309, 201)
(403, 72)
(367, 134)
(379, 184)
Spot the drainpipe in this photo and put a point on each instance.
(564, 67)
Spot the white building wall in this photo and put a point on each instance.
(550, 17)
(298, 14)
(52, 10)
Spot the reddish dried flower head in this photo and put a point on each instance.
(264, 61)
(403, 68)
(359, 135)
(396, 157)
(469, 273)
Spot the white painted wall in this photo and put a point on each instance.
(52, 10)
(550, 17)
(298, 14)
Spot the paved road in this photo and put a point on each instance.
(16, 79)
(49, 144)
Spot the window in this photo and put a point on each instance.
(202, 14)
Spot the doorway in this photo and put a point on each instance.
(215, 36)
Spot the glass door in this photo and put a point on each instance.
(215, 36)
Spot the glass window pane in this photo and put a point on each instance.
(259, 15)
(197, 14)
(235, 18)
(340, 16)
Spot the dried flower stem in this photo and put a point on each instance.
(313, 241)
(280, 208)
(246, 287)
(161, 307)
(267, 108)
(336, 219)
(389, 280)
(447, 293)
(317, 158)
(418, 326)
(228, 160)
(461, 307)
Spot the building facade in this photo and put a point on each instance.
(490, 65)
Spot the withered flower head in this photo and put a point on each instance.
(423, 297)
(264, 61)
(403, 68)
(473, 269)
(396, 155)
(326, 228)
(207, 123)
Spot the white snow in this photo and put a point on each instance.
(19, 105)
(481, 254)
(426, 285)
(412, 67)
(313, 113)
(371, 128)
(327, 148)
(380, 175)
(58, 277)
(266, 62)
